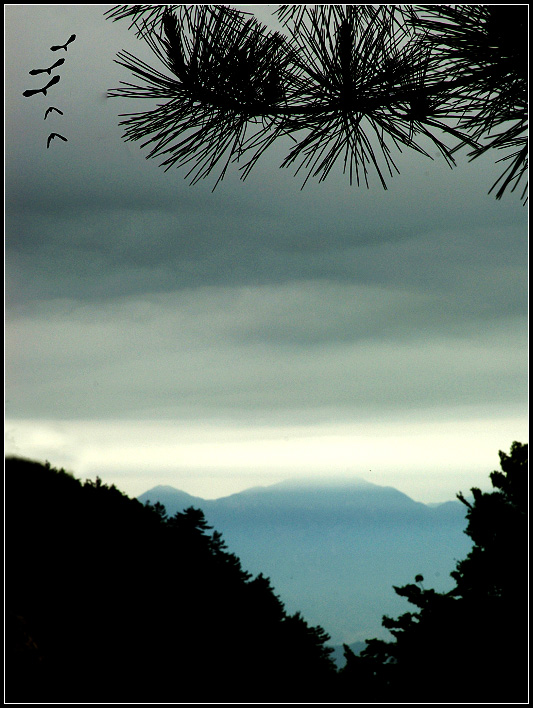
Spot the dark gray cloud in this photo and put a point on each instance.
(131, 295)
(314, 350)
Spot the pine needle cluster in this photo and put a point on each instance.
(355, 84)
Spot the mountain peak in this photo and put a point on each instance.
(323, 482)
(170, 497)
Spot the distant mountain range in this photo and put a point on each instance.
(333, 550)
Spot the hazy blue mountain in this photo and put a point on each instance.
(173, 499)
(333, 550)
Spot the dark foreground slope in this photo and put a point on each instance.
(109, 601)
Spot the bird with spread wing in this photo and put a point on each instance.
(50, 109)
(63, 46)
(31, 92)
(52, 136)
(48, 71)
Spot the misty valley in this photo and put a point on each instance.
(333, 550)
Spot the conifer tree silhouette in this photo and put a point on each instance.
(469, 644)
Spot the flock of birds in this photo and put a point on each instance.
(54, 80)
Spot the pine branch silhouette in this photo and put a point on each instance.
(351, 85)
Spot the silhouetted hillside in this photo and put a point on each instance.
(335, 549)
(108, 600)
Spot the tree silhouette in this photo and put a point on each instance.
(346, 84)
(108, 601)
(469, 644)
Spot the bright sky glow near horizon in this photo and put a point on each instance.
(158, 333)
(214, 461)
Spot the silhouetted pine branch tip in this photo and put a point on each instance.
(348, 85)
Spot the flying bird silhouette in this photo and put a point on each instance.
(31, 92)
(52, 136)
(63, 46)
(34, 72)
(49, 110)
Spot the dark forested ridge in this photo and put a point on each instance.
(111, 601)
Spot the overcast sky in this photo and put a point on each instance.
(158, 333)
